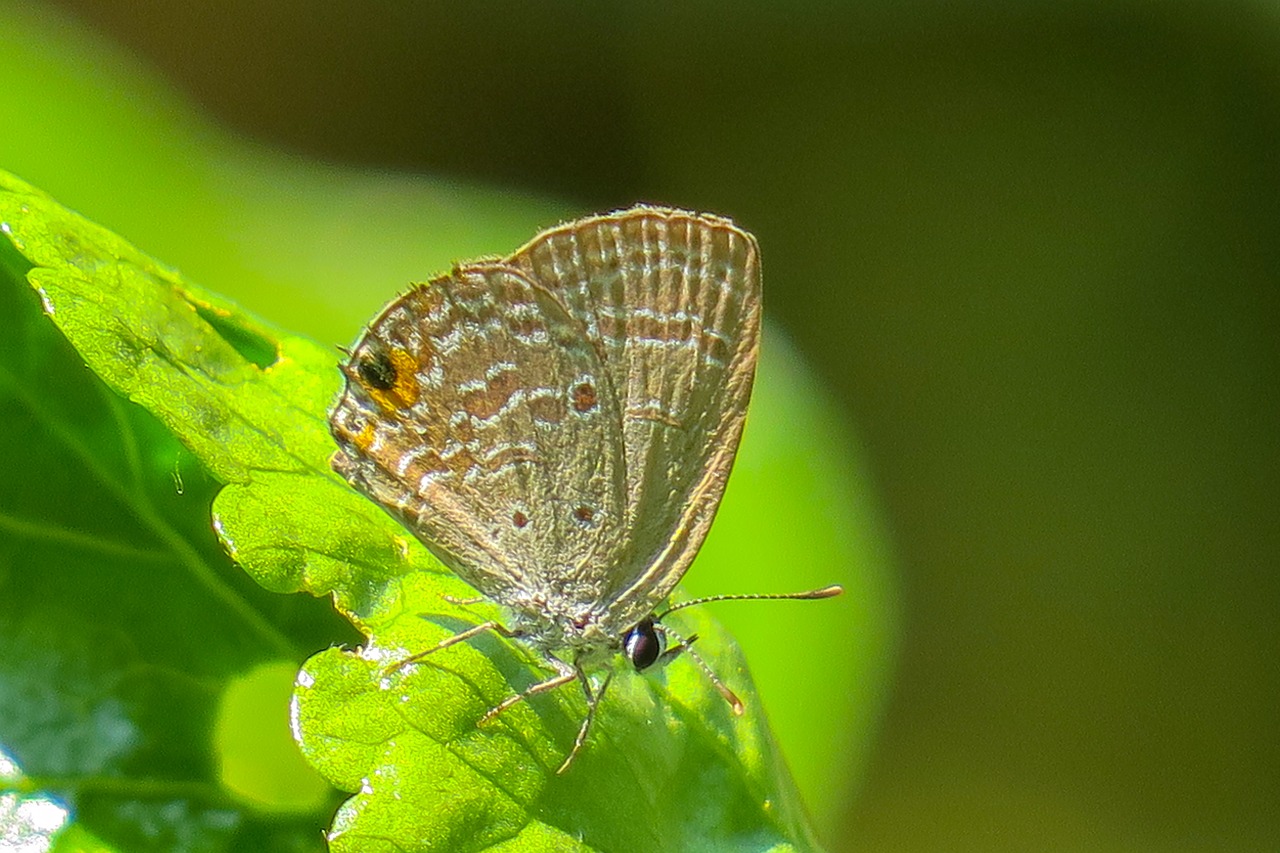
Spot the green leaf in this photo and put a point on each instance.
(122, 622)
(667, 767)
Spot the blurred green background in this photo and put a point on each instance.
(1031, 252)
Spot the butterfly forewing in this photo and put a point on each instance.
(672, 301)
(491, 426)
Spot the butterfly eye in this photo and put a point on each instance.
(643, 644)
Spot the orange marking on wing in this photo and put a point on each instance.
(364, 440)
(404, 390)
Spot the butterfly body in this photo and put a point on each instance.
(558, 426)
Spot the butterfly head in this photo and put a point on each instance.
(644, 644)
(647, 645)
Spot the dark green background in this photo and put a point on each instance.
(1031, 251)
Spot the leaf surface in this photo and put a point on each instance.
(668, 767)
(122, 622)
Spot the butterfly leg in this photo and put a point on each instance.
(564, 674)
(464, 602)
(593, 701)
(491, 625)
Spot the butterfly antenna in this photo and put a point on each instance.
(685, 647)
(825, 592)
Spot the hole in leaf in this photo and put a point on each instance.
(257, 758)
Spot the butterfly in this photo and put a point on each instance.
(557, 427)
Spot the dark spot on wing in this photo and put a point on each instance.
(584, 397)
(376, 371)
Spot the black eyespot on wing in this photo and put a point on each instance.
(643, 645)
(377, 371)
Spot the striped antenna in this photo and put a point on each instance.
(826, 592)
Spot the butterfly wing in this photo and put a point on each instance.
(478, 413)
(673, 300)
